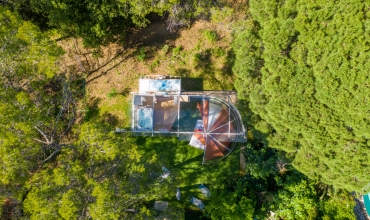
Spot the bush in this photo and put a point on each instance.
(211, 36)
(141, 54)
(218, 52)
(177, 50)
(165, 49)
(113, 93)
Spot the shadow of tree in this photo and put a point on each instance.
(192, 84)
(116, 57)
(204, 64)
(125, 91)
(109, 118)
(154, 35)
(229, 63)
(188, 161)
(92, 109)
(92, 63)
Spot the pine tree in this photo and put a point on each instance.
(303, 68)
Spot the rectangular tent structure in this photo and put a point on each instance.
(208, 119)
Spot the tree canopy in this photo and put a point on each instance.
(28, 59)
(303, 68)
(101, 22)
(50, 165)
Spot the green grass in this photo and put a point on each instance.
(114, 110)
(176, 50)
(141, 54)
(112, 93)
(210, 35)
(185, 165)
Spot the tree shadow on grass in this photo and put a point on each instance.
(125, 92)
(192, 84)
(155, 35)
(92, 110)
(189, 161)
(121, 58)
(229, 63)
(109, 118)
(204, 64)
(93, 113)
(164, 147)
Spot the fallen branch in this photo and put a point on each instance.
(58, 148)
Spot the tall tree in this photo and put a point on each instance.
(27, 63)
(236, 201)
(100, 22)
(303, 68)
(101, 176)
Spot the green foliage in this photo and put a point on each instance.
(113, 93)
(176, 51)
(231, 204)
(219, 52)
(165, 49)
(302, 66)
(211, 36)
(141, 54)
(260, 163)
(27, 62)
(97, 22)
(70, 205)
(289, 194)
(297, 200)
(222, 15)
(154, 64)
(339, 207)
(181, 13)
(300, 198)
(103, 172)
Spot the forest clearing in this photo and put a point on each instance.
(69, 70)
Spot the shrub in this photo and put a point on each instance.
(211, 36)
(177, 50)
(141, 54)
(112, 93)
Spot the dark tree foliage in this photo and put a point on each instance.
(99, 22)
(281, 190)
(260, 163)
(303, 66)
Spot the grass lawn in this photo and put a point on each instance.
(185, 165)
